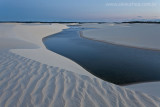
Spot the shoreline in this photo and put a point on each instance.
(112, 43)
(136, 83)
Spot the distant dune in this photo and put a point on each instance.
(138, 35)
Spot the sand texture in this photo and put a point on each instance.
(32, 76)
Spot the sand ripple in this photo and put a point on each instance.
(26, 83)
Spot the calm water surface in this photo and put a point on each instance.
(117, 64)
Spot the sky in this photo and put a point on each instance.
(78, 10)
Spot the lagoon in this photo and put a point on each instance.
(113, 63)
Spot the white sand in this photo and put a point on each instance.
(151, 88)
(31, 36)
(134, 35)
(30, 75)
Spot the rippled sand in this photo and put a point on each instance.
(27, 79)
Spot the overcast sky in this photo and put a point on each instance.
(78, 10)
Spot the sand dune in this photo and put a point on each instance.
(133, 35)
(27, 80)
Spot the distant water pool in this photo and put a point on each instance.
(113, 63)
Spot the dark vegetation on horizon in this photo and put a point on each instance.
(46, 22)
(155, 22)
(33, 22)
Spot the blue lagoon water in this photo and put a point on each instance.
(113, 63)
